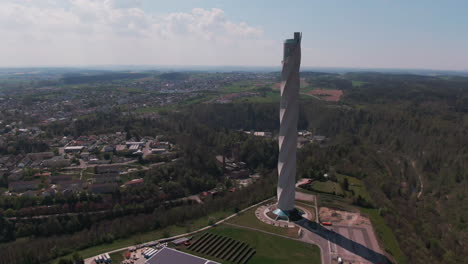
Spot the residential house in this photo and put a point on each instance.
(40, 155)
(103, 187)
(109, 168)
(21, 186)
(56, 162)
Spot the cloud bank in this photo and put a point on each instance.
(93, 32)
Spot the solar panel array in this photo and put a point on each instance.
(224, 248)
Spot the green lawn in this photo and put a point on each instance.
(330, 200)
(238, 87)
(357, 83)
(271, 249)
(356, 185)
(385, 234)
(327, 187)
(330, 187)
(149, 236)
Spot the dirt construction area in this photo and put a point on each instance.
(342, 217)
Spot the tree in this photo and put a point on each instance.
(7, 230)
(9, 212)
(65, 261)
(117, 210)
(77, 259)
(346, 184)
(174, 189)
(52, 226)
(72, 224)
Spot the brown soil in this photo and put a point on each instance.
(342, 217)
(328, 94)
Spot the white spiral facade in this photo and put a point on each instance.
(289, 111)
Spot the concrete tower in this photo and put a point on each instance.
(289, 111)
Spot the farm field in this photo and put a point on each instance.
(330, 95)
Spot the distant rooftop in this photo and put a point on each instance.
(171, 256)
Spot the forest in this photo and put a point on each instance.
(397, 133)
(404, 135)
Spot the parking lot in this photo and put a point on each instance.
(354, 244)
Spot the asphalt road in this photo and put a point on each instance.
(313, 238)
(351, 243)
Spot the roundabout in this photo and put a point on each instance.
(270, 214)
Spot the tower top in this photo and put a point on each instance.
(297, 38)
(297, 35)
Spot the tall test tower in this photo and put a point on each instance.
(289, 111)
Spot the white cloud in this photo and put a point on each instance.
(121, 32)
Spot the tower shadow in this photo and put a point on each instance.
(344, 242)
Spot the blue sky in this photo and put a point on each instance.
(336, 33)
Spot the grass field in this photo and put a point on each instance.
(330, 200)
(268, 97)
(356, 185)
(356, 188)
(149, 236)
(327, 187)
(357, 83)
(271, 249)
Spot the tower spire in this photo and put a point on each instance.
(289, 111)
